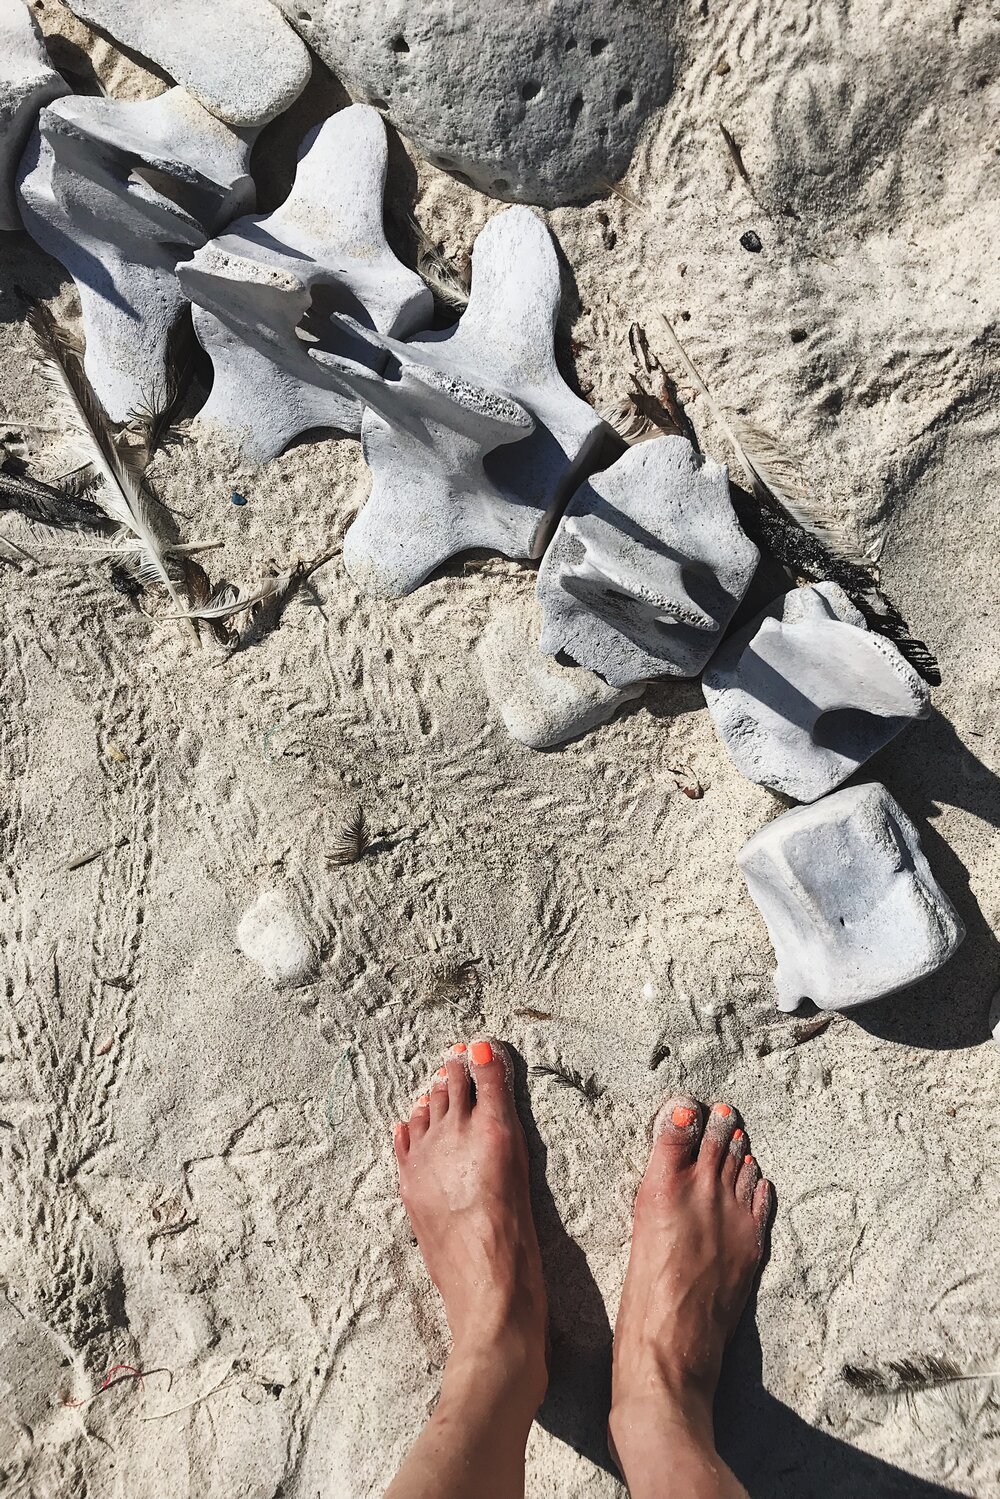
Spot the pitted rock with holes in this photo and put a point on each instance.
(530, 103)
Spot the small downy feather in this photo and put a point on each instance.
(122, 495)
(229, 600)
(355, 839)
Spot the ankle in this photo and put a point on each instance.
(678, 1404)
(505, 1368)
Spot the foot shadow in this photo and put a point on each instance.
(777, 1455)
(579, 1395)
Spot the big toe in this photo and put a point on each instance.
(491, 1073)
(677, 1131)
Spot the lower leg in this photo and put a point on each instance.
(700, 1219)
(463, 1170)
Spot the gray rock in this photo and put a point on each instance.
(254, 286)
(119, 192)
(850, 902)
(806, 694)
(473, 438)
(273, 935)
(647, 566)
(27, 81)
(541, 702)
(531, 103)
(236, 57)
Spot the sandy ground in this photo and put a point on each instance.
(195, 1167)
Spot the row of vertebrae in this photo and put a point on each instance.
(474, 440)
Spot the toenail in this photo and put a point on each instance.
(723, 1110)
(423, 1100)
(737, 1134)
(458, 1048)
(441, 1072)
(748, 1160)
(683, 1116)
(482, 1053)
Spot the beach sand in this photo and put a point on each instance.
(196, 1177)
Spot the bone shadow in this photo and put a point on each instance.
(929, 765)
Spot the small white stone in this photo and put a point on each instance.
(273, 935)
(541, 702)
(27, 81)
(849, 900)
(806, 694)
(647, 566)
(119, 191)
(253, 286)
(475, 440)
(238, 58)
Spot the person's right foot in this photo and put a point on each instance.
(701, 1216)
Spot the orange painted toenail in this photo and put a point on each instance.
(748, 1160)
(458, 1048)
(737, 1134)
(423, 1100)
(482, 1053)
(441, 1072)
(723, 1110)
(683, 1116)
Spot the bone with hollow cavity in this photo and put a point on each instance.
(477, 441)
(647, 566)
(806, 693)
(255, 286)
(27, 82)
(849, 900)
(119, 192)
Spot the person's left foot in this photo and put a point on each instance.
(463, 1178)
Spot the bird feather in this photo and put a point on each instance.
(123, 494)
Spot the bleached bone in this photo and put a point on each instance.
(119, 192)
(849, 900)
(27, 82)
(477, 441)
(647, 566)
(541, 702)
(806, 694)
(238, 58)
(254, 285)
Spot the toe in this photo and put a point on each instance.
(492, 1075)
(676, 1133)
(420, 1118)
(459, 1086)
(762, 1206)
(733, 1159)
(439, 1094)
(747, 1180)
(715, 1141)
(401, 1141)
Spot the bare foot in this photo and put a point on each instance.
(463, 1178)
(701, 1216)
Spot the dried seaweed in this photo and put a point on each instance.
(355, 838)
